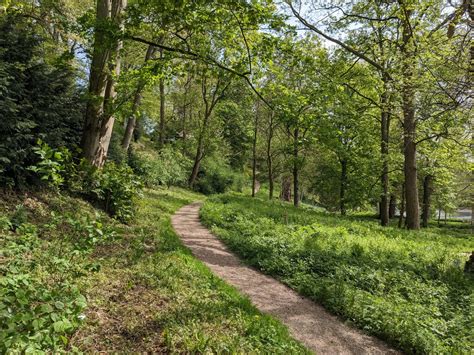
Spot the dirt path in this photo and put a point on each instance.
(308, 322)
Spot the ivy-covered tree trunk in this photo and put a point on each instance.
(427, 190)
(409, 125)
(132, 121)
(296, 195)
(105, 67)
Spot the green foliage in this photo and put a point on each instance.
(52, 163)
(40, 306)
(37, 99)
(215, 176)
(406, 287)
(172, 300)
(117, 187)
(166, 167)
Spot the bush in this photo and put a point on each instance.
(168, 167)
(52, 163)
(216, 177)
(37, 99)
(117, 187)
(114, 186)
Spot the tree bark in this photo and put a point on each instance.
(385, 130)
(342, 190)
(162, 109)
(427, 190)
(286, 188)
(269, 158)
(409, 126)
(296, 196)
(402, 206)
(132, 120)
(254, 151)
(392, 206)
(196, 165)
(105, 66)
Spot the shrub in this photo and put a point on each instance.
(214, 178)
(117, 187)
(168, 167)
(52, 163)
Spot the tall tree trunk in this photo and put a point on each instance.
(392, 206)
(409, 126)
(385, 130)
(342, 190)
(254, 151)
(99, 120)
(296, 195)
(132, 120)
(269, 157)
(427, 190)
(162, 108)
(402, 206)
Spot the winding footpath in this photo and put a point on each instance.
(307, 321)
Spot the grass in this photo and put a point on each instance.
(115, 287)
(405, 287)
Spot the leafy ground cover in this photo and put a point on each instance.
(74, 279)
(405, 287)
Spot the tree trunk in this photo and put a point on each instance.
(196, 165)
(296, 195)
(409, 126)
(132, 120)
(286, 188)
(99, 120)
(427, 190)
(385, 130)
(342, 191)
(269, 158)
(392, 206)
(162, 109)
(402, 206)
(254, 152)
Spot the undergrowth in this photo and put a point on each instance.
(406, 287)
(73, 279)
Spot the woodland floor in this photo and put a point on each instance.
(307, 321)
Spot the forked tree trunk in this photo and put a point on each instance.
(132, 120)
(427, 190)
(105, 67)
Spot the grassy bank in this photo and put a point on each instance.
(74, 279)
(406, 287)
